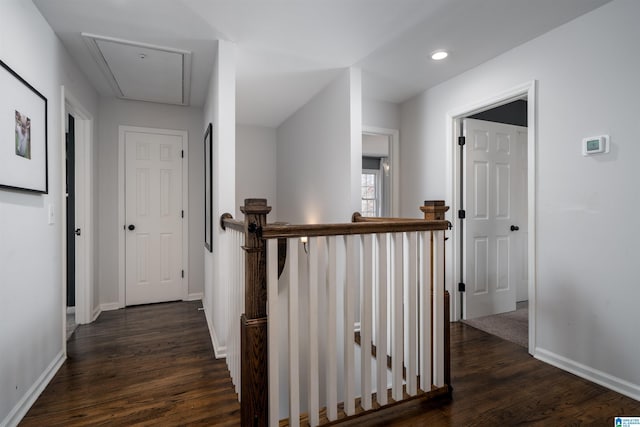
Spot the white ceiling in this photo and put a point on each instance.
(287, 50)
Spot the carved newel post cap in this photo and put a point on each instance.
(255, 206)
(434, 210)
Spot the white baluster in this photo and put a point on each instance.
(294, 339)
(331, 351)
(438, 308)
(314, 404)
(353, 264)
(397, 346)
(425, 311)
(273, 332)
(412, 316)
(381, 320)
(366, 289)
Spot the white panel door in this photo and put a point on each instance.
(153, 204)
(491, 185)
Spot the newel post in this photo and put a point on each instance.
(434, 210)
(254, 370)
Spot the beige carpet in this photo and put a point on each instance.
(512, 326)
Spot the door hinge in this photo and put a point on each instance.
(183, 274)
(182, 214)
(461, 141)
(461, 287)
(182, 154)
(462, 214)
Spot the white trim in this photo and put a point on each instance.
(394, 159)
(110, 306)
(594, 375)
(196, 296)
(121, 206)
(523, 91)
(219, 351)
(84, 202)
(29, 398)
(96, 312)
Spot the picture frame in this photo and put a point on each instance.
(23, 134)
(208, 188)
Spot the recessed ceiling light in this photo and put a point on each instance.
(439, 55)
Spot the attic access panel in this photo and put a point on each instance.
(143, 72)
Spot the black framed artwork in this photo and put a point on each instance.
(23, 134)
(208, 189)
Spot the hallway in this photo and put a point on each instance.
(145, 365)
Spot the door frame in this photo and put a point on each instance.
(453, 118)
(84, 146)
(394, 161)
(121, 206)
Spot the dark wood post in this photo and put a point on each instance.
(434, 210)
(254, 370)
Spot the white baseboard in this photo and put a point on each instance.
(219, 351)
(96, 313)
(194, 297)
(609, 381)
(22, 407)
(110, 306)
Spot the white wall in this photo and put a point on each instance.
(380, 114)
(256, 167)
(319, 153)
(587, 289)
(112, 114)
(219, 109)
(31, 288)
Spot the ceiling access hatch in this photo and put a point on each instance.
(143, 72)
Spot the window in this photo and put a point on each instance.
(370, 192)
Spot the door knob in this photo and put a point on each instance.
(78, 232)
(515, 228)
(131, 227)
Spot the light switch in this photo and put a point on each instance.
(51, 215)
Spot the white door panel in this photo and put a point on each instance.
(153, 203)
(492, 251)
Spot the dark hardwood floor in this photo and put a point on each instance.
(146, 365)
(154, 365)
(497, 383)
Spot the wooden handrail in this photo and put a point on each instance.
(226, 220)
(357, 217)
(312, 230)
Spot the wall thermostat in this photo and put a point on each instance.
(595, 145)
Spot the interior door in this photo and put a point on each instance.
(153, 205)
(494, 217)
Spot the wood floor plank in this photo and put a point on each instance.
(146, 365)
(154, 365)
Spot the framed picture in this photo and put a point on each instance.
(208, 189)
(23, 134)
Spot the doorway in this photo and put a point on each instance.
(72, 232)
(77, 185)
(153, 195)
(379, 177)
(476, 254)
